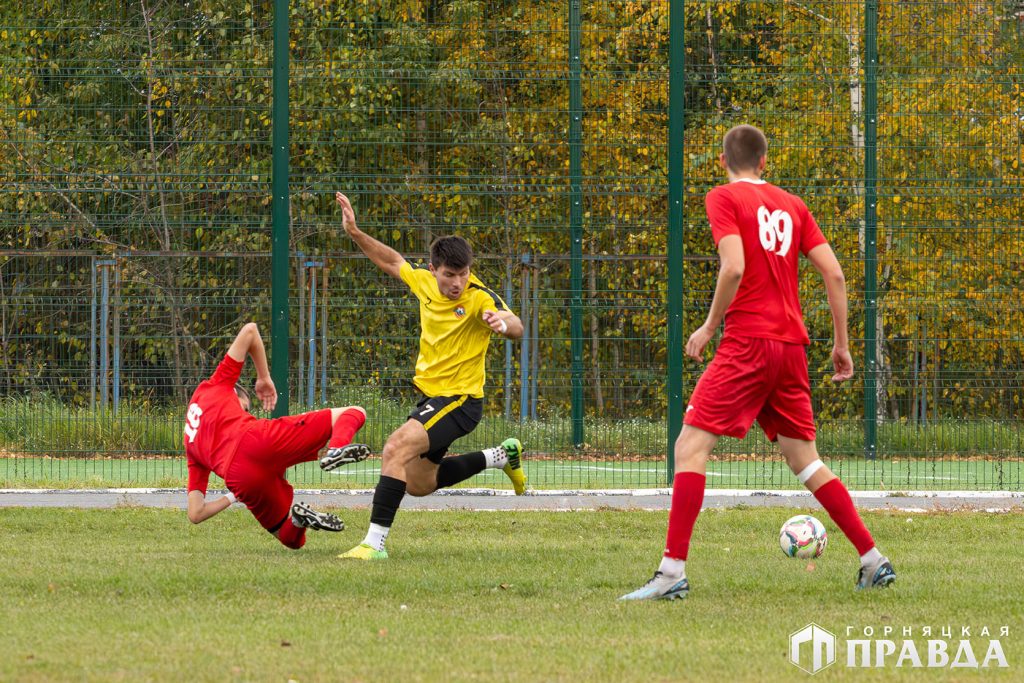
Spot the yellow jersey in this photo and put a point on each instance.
(453, 334)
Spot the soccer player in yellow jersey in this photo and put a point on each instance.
(458, 315)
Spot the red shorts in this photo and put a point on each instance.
(265, 452)
(752, 378)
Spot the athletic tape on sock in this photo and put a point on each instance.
(231, 497)
(808, 472)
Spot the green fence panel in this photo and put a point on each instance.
(136, 210)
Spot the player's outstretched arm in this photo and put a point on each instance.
(730, 273)
(200, 511)
(385, 258)
(824, 259)
(505, 323)
(250, 342)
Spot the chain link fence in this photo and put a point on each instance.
(136, 231)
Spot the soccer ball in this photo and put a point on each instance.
(803, 536)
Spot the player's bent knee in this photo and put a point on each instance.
(419, 489)
(390, 456)
(295, 542)
(689, 460)
(398, 452)
(338, 412)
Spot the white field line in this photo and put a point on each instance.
(725, 475)
(600, 468)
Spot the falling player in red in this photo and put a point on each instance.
(251, 455)
(760, 369)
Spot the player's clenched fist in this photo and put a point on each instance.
(843, 363)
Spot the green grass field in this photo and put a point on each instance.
(139, 594)
(759, 473)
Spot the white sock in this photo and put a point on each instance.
(376, 535)
(871, 557)
(496, 457)
(672, 567)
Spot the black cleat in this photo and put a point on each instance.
(346, 455)
(306, 517)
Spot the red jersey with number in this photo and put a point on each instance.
(776, 228)
(214, 424)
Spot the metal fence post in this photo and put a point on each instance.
(524, 346)
(311, 332)
(674, 381)
(535, 345)
(508, 343)
(576, 220)
(300, 279)
(116, 314)
(870, 228)
(92, 336)
(323, 333)
(279, 279)
(104, 372)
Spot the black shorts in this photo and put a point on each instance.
(446, 418)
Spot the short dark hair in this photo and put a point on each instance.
(452, 251)
(242, 393)
(744, 146)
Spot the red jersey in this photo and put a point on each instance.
(214, 424)
(776, 228)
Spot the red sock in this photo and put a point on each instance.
(291, 535)
(834, 497)
(346, 426)
(687, 497)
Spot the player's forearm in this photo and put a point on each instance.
(199, 510)
(835, 287)
(514, 325)
(725, 291)
(383, 256)
(824, 259)
(258, 353)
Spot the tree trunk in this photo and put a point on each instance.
(595, 337)
(164, 235)
(884, 375)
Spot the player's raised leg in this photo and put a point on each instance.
(802, 456)
(345, 422)
(507, 457)
(691, 454)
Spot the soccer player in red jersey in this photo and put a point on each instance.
(251, 455)
(760, 369)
